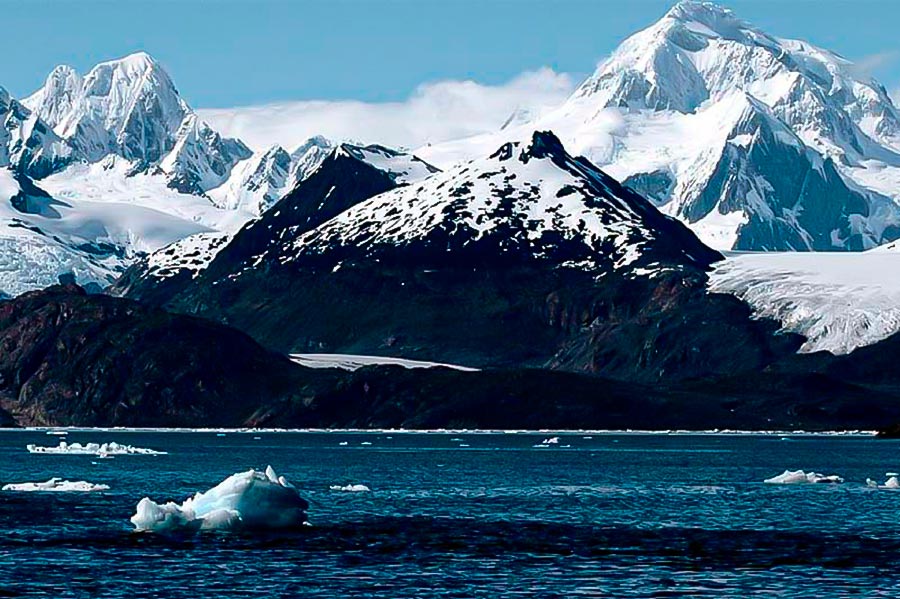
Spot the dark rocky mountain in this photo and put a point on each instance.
(529, 257)
(347, 176)
(69, 358)
(73, 359)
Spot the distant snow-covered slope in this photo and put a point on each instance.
(838, 300)
(326, 185)
(128, 168)
(28, 144)
(264, 178)
(758, 143)
(43, 238)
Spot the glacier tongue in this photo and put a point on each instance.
(838, 301)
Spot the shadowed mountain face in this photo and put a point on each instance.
(73, 359)
(528, 257)
(70, 358)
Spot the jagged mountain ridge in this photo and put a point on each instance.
(27, 144)
(346, 175)
(756, 142)
(130, 108)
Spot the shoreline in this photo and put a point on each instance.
(406, 431)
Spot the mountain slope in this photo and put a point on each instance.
(28, 144)
(261, 180)
(756, 142)
(43, 238)
(130, 108)
(74, 359)
(346, 176)
(526, 257)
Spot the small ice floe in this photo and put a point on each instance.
(365, 443)
(547, 442)
(799, 477)
(102, 450)
(342, 443)
(56, 485)
(350, 488)
(891, 483)
(251, 500)
(58, 433)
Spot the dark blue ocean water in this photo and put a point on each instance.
(611, 516)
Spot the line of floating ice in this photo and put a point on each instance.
(350, 488)
(797, 477)
(98, 449)
(56, 485)
(680, 432)
(249, 500)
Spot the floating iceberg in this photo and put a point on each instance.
(249, 500)
(892, 483)
(799, 477)
(57, 485)
(350, 488)
(98, 449)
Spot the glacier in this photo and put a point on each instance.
(251, 500)
(839, 301)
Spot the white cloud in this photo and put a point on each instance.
(435, 112)
(895, 96)
(867, 65)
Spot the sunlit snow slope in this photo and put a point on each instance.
(838, 300)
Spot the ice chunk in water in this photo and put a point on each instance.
(99, 449)
(892, 483)
(249, 500)
(799, 477)
(57, 485)
(350, 488)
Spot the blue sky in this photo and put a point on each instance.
(233, 53)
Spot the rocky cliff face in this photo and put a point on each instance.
(72, 359)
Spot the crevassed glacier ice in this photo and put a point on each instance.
(249, 500)
(100, 449)
(57, 485)
(799, 477)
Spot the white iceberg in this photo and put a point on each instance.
(57, 485)
(799, 477)
(249, 500)
(350, 488)
(892, 483)
(98, 449)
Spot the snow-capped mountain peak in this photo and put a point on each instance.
(400, 166)
(128, 106)
(756, 142)
(529, 199)
(28, 144)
